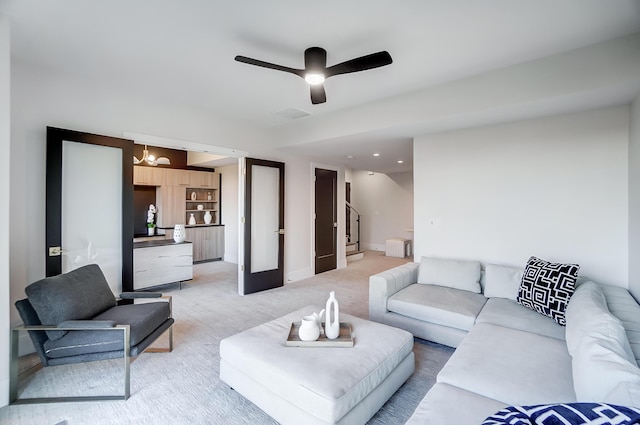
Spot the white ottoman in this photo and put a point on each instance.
(313, 385)
(398, 248)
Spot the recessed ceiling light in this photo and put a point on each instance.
(376, 154)
(400, 161)
(349, 156)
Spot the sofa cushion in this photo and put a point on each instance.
(570, 413)
(511, 366)
(77, 295)
(604, 366)
(441, 406)
(458, 274)
(622, 305)
(502, 281)
(589, 317)
(438, 304)
(142, 318)
(546, 287)
(510, 314)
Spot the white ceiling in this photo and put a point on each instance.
(183, 51)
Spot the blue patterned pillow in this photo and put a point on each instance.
(546, 287)
(563, 414)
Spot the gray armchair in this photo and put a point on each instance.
(74, 317)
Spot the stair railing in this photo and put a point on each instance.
(353, 215)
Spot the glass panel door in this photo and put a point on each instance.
(92, 209)
(264, 220)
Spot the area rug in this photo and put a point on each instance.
(183, 387)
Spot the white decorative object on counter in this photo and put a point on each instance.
(207, 217)
(179, 233)
(332, 317)
(151, 220)
(192, 220)
(309, 329)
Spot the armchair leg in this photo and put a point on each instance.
(13, 377)
(163, 350)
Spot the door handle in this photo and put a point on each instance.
(335, 224)
(56, 251)
(279, 231)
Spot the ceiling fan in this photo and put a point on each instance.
(316, 71)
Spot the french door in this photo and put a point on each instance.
(263, 266)
(89, 205)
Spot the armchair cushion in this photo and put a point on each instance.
(77, 295)
(142, 318)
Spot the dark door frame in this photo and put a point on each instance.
(53, 223)
(328, 262)
(268, 279)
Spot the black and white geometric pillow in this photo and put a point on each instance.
(571, 413)
(546, 287)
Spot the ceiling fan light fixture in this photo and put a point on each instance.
(314, 78)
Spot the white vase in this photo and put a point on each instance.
(309, 329)
(151, 231)
(207, 217)
(192, 220)
(193, 196)
(179, 233)
(332, 317)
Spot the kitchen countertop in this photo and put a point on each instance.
(160, 242)
(193, 225)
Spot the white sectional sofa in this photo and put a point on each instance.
(507, 354)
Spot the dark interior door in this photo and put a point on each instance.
(264, 226)
(326, 226)
(89, 205)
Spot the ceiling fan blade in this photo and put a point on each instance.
(317, 94)
(256, 62)
(374, 60)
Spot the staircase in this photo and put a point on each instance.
(353, 234)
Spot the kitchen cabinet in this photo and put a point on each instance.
(161, 262)
(171, 205)
(203, 179)
(208, 242)
(149, 176)
(179, 177)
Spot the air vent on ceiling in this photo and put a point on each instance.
(292, 113)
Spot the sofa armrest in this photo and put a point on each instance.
(384, 285)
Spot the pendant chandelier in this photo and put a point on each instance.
(150, 159)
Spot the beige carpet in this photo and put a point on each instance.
(182, 387)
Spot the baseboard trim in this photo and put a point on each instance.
(374, 247)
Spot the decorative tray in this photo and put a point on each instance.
(344, 339)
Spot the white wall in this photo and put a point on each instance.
(385, 203)
(5, 142)
(634, 199)
(230, 214)
(552, 187)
